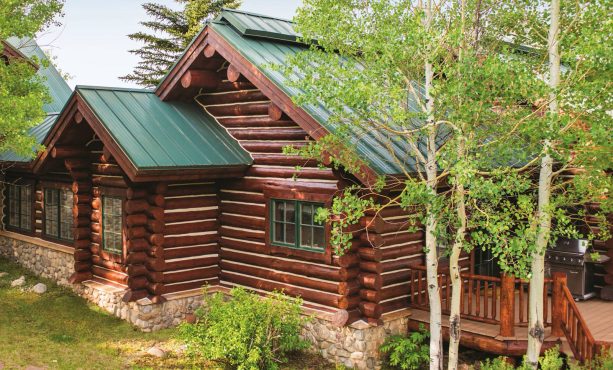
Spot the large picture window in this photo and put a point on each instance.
(58, 213)
(293, 225)
(112, 240)
(19, 202)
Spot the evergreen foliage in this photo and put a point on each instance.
(167, 34)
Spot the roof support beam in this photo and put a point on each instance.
(204, 79)
(234, 75)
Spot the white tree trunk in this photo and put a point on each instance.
(454, 270)
(536, 328)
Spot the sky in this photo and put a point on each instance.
(92, 47)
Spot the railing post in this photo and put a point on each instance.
(507, 305)
(558, 305)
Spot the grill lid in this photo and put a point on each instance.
(573, 246)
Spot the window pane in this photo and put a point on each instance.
(290, 233)
(25, 208)
(111, 224)
(290, 213)
(279, 232)
(13, 201)
(66, 220)
(306, 237)
(307, 214)
(51, 212)
(279, 210)
(318, 238)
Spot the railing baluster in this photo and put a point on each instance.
(470, 296)
(478, 306)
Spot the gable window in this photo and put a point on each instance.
(19, 203)
(112, 240)
(58, 213)
(293, 225)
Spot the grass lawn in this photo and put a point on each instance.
(59, 330)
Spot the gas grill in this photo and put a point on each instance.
(571, 257)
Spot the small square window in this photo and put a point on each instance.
(293, 225)
(112, 240)
(58, 213)
(19, 202)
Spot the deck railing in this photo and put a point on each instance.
(492, 300)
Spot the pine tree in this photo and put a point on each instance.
(168, 34)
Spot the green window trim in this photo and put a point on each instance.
(112, 223)
(292, 229)
(58, 214)
(19, 210)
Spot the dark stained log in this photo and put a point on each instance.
(328, 299)
(204, 79)
(136, 258)
(236, 233)
(268, 134)
(255, 210)
(95, 216)
(170, 277)
(82, 266)
(290, 172)
(282, 160)
(182, 252)
(270, 146)
(234, 75)
(137, 219)
(137, 232)
(78, 117)
(156, 200)
(190, 202)
(76, 164)
(136, 270)
(233, 97)
(156, 239)
(118, 182)
(137, 282)
(79, 187)
(96, 204)
(136, 193)
(110, 265)
(61, 152)
(184, 240)
(106, 157)
(346, 260)
(370, 309)
(82, 244)
(225, 86)
(134, 295)
(191, 227)
(137, 245)
(96, 227)
(377, 240)
(239, 221)
(106, 169)
(136, 206)
(200, 189)
(80, 175)
(276, 113)
(259, 122)
(371, 281)
(156, 226)
(382, 254)
(280, 276)
(115, 276)
(82, 254)
(189, 216)
(155, 264)
(244, 197)
(81, 233)
(159, 188)
(156, 213)
(243, 245)
(179, 287)
(82, 198)
(247, 109)
(79, 277)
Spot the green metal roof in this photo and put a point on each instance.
(157, 134)
(263, 41)
(59, 92)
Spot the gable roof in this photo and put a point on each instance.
(162, 135)
(59, 91)
(255, 44)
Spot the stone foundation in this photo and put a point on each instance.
(355, 346)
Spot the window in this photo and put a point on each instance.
(19, 198)
(293, 225)
(112, 240)
(58, 213)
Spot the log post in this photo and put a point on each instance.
(507, 305)
(558, 306)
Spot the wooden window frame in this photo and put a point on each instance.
(55, 186)
(118, 193)
(272, 193)
(21, 182)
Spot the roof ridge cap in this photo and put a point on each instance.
(255, 14)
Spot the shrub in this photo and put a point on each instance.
(245, 331)
(499, 363)
(408, 353)
(603, 361)
(551, 360)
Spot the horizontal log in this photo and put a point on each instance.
(276, 113)
(182, 252)
(136, 232)
(379, 254)
(204, 79)
(156, 200)
(138, 219)
(270, 146)
(117, 182)
(137, 245)
(255, 210)
(243, 234)
(269, 134)
(136, 270)
(81, 233)
(233, 97)
(243, 245)
(134, 295)
(182, 216)
(226, 86)
(82, 266)
(79, 277)
(371, 310)
(246, 109)
(96, 216)
(109, 265)
(156, 226)
(346, 260)
(371, 281)
(137, 258)
(76, 164)
(106, 169)
(244, 197)
(82, 254)
(136, 206)
(191, 202)
(159, 188)
(199, 189)
(82, 198)
(170, 277)
(392, 265)
(188, 263)
(185, 240)
(111, 275)
(377, 240)
(324, 298)
(258, 185)
(81, 187)
(156, 239)
(242, 221)
(191, 227)
(82, 244)
(188, 285)
(290, 172)
(137, 282)
(136, 193)
(157, 213)
(282, 160)
(62, 152)
(258, 121)
(283, 277)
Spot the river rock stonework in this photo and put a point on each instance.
(355, 346)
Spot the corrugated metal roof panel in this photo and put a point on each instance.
(265, 52)
(250, 24)
(39, 132)
(156, 134)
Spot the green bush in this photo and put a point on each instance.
(408, 353)
(551, 360)
(499, 363)
(245, 331)
(604, 361)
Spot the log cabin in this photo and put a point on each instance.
(156, 193)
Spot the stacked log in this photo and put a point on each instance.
(190, 248)
(39, 204)
(246, 259)
(82, 222)
(138, 246)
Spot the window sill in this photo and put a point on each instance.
(37, 241)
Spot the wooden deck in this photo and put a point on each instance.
(598, 315)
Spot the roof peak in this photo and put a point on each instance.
(253, 14)
(111, 88)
